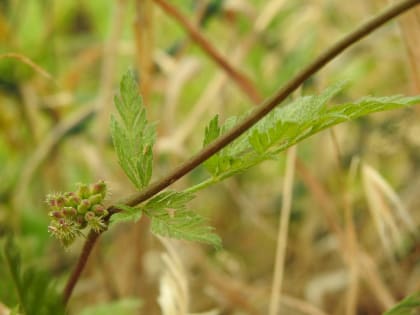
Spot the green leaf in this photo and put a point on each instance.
(127, 306)
(338, 114)
(35, 293)
(305, 108)
(127, 214)
(133, 136)
(221, 161)
(170, 218)
(288, 125)
(184, 224)
(211, 133)
(169, 199)
(407, 306)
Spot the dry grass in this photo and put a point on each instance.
(348, 236)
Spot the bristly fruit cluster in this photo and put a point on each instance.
(71, 212)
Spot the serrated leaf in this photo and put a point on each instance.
(212, 131)
(169, 199)
(307, 108)
(133, 136)
(345, 112)
(127, 214)
(288, 125)
(222, 160)
(407, 306)
(34, 290)
(144, 165)
(121, 145)
(183, 224)
(170, 218)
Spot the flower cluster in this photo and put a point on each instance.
(71, 212)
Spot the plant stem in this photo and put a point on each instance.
(37, 68)
(144, 38)
(202, 185)
(362, 31)
(239, 78)
(87, 249)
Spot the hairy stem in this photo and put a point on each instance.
(362, 31)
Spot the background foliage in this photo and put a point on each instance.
(54, 133)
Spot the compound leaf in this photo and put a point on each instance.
(288, 125)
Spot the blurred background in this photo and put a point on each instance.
(353, 234)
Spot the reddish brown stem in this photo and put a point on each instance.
(87, 249)
(143, 35)
(360, 32)
(239, 78)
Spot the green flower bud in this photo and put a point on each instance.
(83, 206)
(89, 216)
(95, 199)
(68, 194)
(72, 200)
(83, 191)
(69, 211)
(55, 201)
(100, 210)
(73, 211)
(60, 201)
(98, 188)
(51, 201)
(55, 214)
